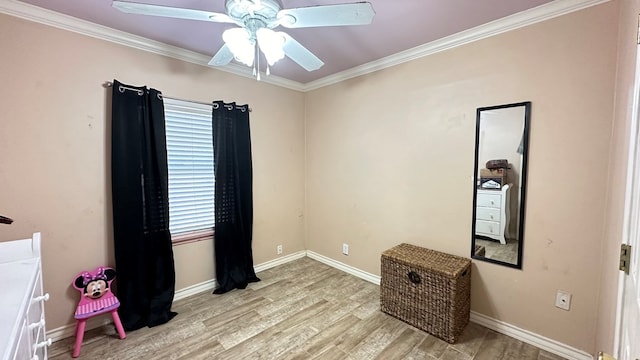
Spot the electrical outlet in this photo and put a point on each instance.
(345, 249)
(279, 249)
(563, 300)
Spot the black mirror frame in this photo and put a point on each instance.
(523, 183)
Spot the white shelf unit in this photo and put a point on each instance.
(22, 322)
(492, 213)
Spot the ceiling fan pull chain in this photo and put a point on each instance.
(257, 61)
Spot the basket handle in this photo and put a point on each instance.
(414, 277)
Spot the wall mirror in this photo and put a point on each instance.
(502, 144)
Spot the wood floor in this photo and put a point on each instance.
(496, 251)
(300, 310)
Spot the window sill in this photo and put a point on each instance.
(193, 236)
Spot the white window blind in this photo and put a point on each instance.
(190, 162)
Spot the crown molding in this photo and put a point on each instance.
(528, 17)
(69, 23)
(512, 22)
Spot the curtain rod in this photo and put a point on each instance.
(110, 84)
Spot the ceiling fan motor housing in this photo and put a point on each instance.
(250, 13)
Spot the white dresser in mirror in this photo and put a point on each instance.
(22, 323)
(492, 213)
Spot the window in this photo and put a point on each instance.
(190, 163)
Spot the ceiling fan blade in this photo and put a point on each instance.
(222, 57)
(171, 12)
(300, 54)
(327, 15)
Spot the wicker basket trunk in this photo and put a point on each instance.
(427, 289)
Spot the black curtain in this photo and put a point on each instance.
(233, 197)
(142, 242)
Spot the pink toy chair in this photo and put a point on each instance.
(96, 298)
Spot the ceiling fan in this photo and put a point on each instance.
(257, 19)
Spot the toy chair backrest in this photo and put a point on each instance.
(96, 283)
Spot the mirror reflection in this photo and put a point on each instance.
(499, 183)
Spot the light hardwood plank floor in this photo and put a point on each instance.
(300, 310)
(496, 251)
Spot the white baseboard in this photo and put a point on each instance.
(212, 284)
(195, 289)
(526, 336)
(279, 261)
(515, 332)
(66, 331)
(69, 330)
(344, 267)
(529, 337)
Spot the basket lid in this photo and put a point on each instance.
(428, 259)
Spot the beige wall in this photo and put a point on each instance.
(628, 10)
(54, 146)
(390, 160)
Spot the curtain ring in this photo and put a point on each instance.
(215, 106)
(123, 88)
(229, 107)
(242, 109)
(159, 96)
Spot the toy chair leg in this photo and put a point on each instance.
(118, 324)
(79, 336)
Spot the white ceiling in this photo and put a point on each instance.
(401, 30)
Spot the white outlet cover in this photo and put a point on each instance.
(563, 300)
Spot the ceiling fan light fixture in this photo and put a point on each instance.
(241, 44)
(271, 44)
(256, 19)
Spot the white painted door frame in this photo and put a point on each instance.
(628, 305)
